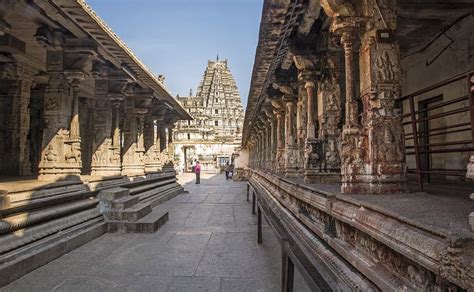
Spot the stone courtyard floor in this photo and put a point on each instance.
(208, 244)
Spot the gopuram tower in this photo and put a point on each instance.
(215, 134)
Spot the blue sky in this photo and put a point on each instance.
(177, 37)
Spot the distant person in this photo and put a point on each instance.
(231, 170)
(197, 171)
(227, 169)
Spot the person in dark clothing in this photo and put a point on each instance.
(226, 169)
(231, 170)
(197, 171)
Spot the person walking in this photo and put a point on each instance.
(226, 169)
(197, 171)
(231, 170)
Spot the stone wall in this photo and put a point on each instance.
(450, 54)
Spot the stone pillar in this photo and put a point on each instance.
(291, 166)
(16, 81)
(329, 116)
(152, 162)
(313, 145)
(373, 160)
(162, 136)
(170, 145)
(271, 140)
(106, 139)
(67, 68)
(279, 113)
(132, 161)
(301, 123)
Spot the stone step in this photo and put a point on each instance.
(148, 224)
(125, 202)
(113, 194)
(27, 205)
(151, 186)
(165, 196)
(156, 191)
(23, 220)
(23, 260)
(131, 214)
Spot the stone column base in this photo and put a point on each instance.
(321, 177)
(54, 171)
(291, 172)
(106, 170)
(133, 169)
(374, 185)
(152, 167)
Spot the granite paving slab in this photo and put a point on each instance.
(209, 244)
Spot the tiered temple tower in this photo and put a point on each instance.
(216, 131)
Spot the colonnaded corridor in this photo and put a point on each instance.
(208, 244)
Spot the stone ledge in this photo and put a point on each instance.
(417, 249)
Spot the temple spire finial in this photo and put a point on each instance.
(217, 57)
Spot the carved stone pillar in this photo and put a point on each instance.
(329, 117)
(86, 112)
(61, 155)
(313, 148)
(372, 152)
(16, 81)
(271, 141)
(132, 161)
(57, 102)
(301, 122)
(291, 149)
(170, 145)
(106, 138)
(279, 113)
(152, 162)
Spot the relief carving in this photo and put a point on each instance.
(50, 154)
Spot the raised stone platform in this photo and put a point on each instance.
(407, 241)
(41, 221)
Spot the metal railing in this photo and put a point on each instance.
(419, 137)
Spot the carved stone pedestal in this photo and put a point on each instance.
(152, 160)
(280, 160)
(106, 160)
(315, 171)
(61, 159)
(133, 162)
(291, 160)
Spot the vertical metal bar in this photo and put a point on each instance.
(290, 275)
(284, 264)
(259, 225)
(415, 143)
(253, 202)
(248, 190)
(470, 92)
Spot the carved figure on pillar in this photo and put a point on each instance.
(373, 167)
(106, 158)
(66, 68)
